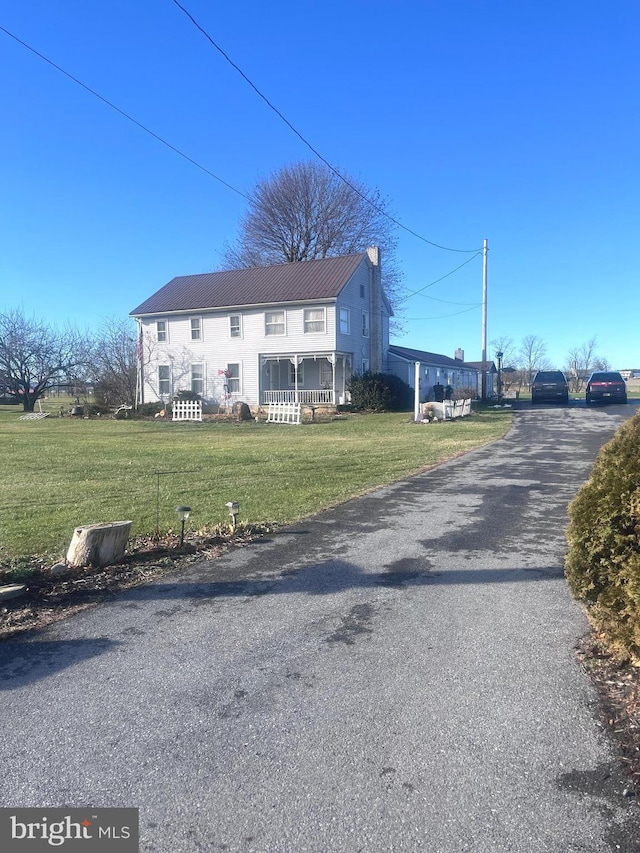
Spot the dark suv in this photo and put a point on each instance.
(606, 386)
(550, 386)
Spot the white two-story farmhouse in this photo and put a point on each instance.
(284, 333)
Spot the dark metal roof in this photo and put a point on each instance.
(296, 282)
(487, 366)
(429, 357)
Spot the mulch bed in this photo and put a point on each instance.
(49, 598)
(617, 682)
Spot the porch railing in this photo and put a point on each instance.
(321, 396)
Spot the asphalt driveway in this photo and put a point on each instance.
(395, 675)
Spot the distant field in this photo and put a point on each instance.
(60, 473)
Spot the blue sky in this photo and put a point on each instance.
(518, 122)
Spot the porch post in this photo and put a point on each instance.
(333, 380)
(295, 378)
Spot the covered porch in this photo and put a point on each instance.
(318, 378)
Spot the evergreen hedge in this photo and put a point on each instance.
(603, 561)
(380, 392)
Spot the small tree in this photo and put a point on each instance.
(114, 363)
(380, 392)
(533, 356)
(580, 362)
(35, 357)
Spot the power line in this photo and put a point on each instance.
(123, 113)
(446, 275)
(444, 316)
(449, 302)
(306, 141)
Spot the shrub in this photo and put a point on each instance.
(149, 410)
(187, 395)
(380, 392)
(603, 562)
(464, 394)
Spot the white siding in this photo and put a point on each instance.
(217, 348)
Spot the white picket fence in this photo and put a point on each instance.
(186, 410)
(456, 408)
(284, 413)
(445, 411)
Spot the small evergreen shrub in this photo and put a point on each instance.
(603, 561)
(380, 392)
(149, 410)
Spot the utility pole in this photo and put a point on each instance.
(485, 249)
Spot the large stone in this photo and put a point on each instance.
(98, 545)
(12, 590)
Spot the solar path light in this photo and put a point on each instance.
(233, 507)
(183, 515)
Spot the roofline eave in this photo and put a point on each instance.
(257, 305)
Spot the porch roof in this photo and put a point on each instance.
(285, 356)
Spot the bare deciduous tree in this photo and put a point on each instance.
(304, 212)
(581, 361)
(35, 357)
(533, 351)
(114, 363)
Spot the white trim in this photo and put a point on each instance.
(197, 320)
(282, 322)
(322, 320)
(240, 326)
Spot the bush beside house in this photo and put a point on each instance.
(380, 392)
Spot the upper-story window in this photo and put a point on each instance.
(362, 291)
(274, 323)
(161, 331)
(196, 329)
(365, 324)
(235, 326)
(345, 321)
(314, 320)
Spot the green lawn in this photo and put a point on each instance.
(60, 473)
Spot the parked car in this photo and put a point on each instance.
(606, 386)
(550, 386)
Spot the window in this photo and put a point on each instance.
(365, 365)
(164, 380)
(344, 321)
(314, 320)
(326, 374)
(233, 378)
(161, 331)
(235, 326)
(274, 323)
(362, 293)
(197, 378)
(365, 324)
(196, 329)
(292, 374)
